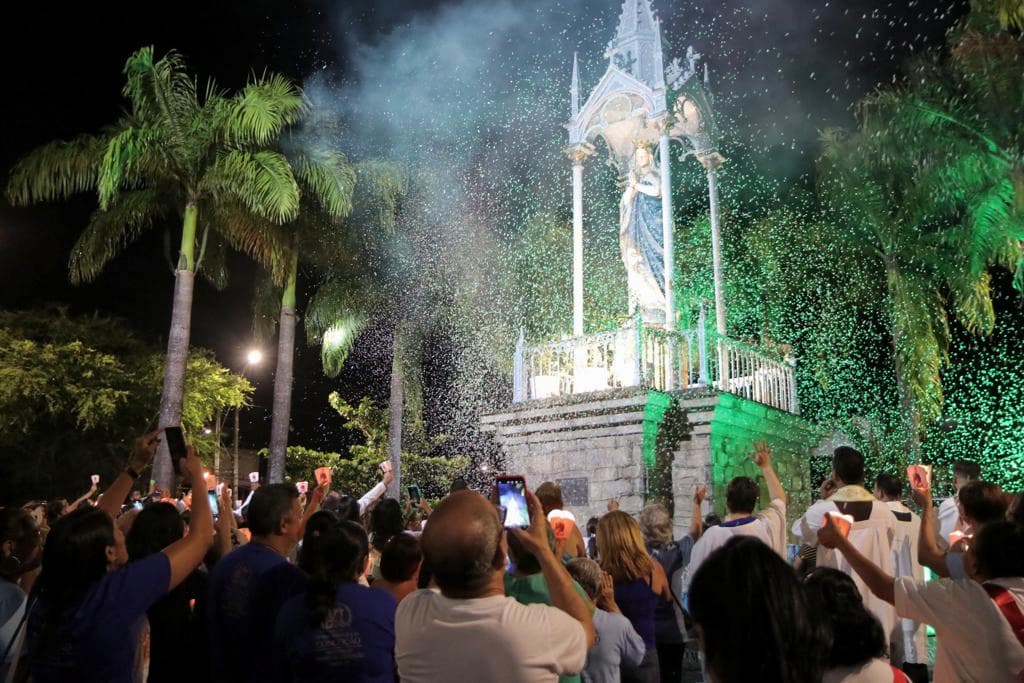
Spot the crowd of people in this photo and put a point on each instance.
(326, 586)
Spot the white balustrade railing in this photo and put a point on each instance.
(652, 357)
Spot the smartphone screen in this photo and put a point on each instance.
(176, 445)
(512, 497)
(414, 494)
(137, 505)
(214, 508)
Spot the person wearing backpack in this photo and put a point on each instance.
(673, 556)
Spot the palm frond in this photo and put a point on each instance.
(266, 306)
(262, 181)
(338, 341)
(110, 230)
(335, 299)
(56, 170)
(326, 178)
(972, 298)
(921, 342)
(263, 110)
(126, 152)
(161, 92)
(212, 262)
(259, 238)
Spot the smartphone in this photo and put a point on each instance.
(302, 486)
(512, 497)
(176, 445)
(137, 505)
(414, 494)
(214, 507)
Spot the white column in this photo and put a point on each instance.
(716, 249)
(716, 259)
(667, 230)
(577, 249)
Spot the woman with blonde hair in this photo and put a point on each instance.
(640, 585)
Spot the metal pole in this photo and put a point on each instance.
(577, 248)
(234, 457)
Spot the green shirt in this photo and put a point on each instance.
(533, 589)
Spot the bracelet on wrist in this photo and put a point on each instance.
(131, 472)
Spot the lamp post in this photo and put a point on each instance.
(253, 357)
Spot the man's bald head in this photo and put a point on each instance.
(462, 544)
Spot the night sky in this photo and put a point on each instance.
(62, 66)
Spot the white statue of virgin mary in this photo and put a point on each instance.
(641, 238)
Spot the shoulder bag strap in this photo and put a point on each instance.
(1008, 606)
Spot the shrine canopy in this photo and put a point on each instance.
(629, 102)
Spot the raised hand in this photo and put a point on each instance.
(535, 537)
(829, 535)
(700, 493)
(762, 455)
(143, 450)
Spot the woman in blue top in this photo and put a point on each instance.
(89, 602)
(640, 585)
(337, 630)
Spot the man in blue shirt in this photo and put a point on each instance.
(275, 521)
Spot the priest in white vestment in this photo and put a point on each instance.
(909, 643)
(872, 531)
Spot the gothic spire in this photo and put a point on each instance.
(574, 89)
(636, 47)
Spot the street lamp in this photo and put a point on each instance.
(252, 358)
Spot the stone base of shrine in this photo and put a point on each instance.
(594, 444)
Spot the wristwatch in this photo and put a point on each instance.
(130, 471)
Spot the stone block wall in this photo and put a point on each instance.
(594, 444)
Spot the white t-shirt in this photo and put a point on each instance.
(949, 518)
(908, 637)
(769, 525)
(485, 639)
(975, 641)
(873, 537)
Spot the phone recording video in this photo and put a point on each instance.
(414, 494)
(176, 446)
(512, 497)
(214, 507)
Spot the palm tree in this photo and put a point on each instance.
(209, 159)
(964, 114)
(879, 190)
(370, 284)
(327, 181)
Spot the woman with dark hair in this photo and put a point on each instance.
(857, 653)
(175, 622)
(338, 629)
(752, 619)
(19, 558)
(90, 601)
(640, 585)
(386, 521)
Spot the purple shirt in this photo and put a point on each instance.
(229, 610)
(356, 642)
(97, 641)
